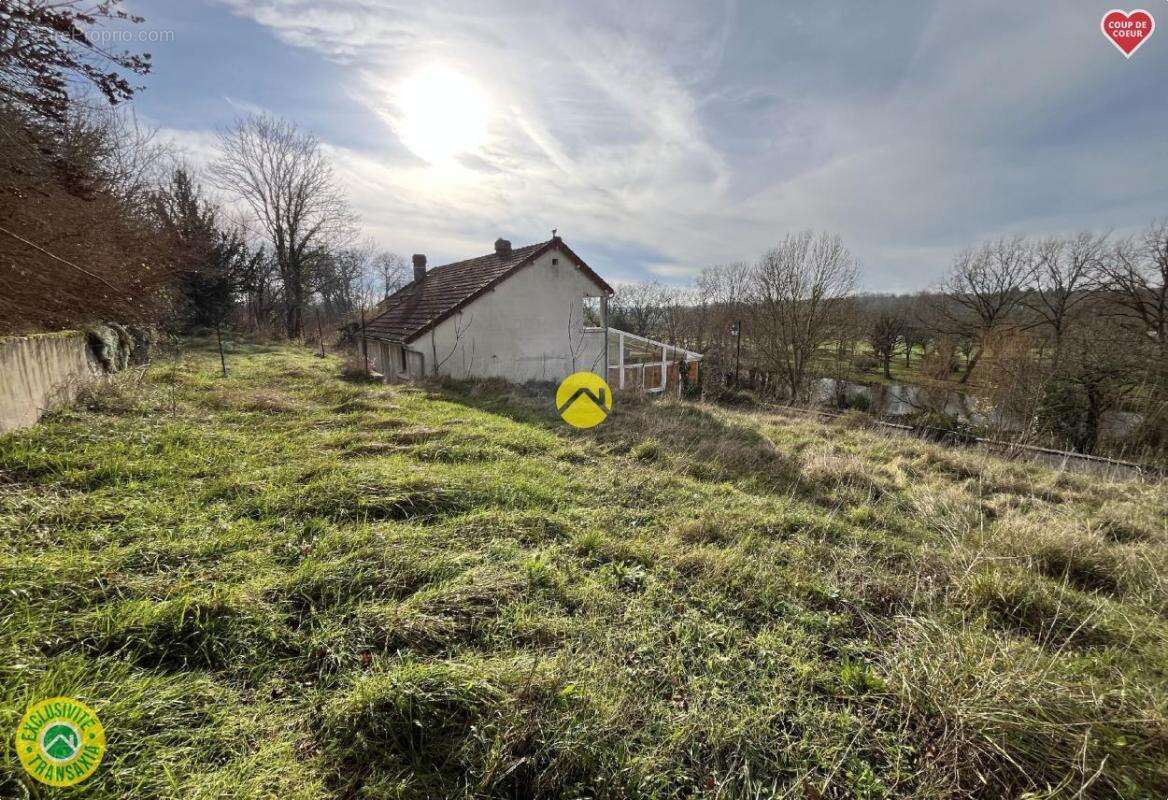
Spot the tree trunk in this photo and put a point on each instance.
(1056, 356)
(1091, 424)
(969, 365)
(888, 365)
(295, 316)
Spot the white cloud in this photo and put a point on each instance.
(673, 271)
(196, 148)
(689, 134)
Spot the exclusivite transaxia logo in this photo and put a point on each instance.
(60, 741)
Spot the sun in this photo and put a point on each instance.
(441, 114)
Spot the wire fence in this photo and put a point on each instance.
(1047, 455)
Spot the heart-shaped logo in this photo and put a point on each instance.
(1128, 30)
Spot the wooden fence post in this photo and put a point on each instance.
(222, 358)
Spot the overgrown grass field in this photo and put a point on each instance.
(280, 584)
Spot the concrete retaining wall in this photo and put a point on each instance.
(41, 371)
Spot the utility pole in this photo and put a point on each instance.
(364, 341)
(603, 323)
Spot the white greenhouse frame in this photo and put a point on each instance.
(668, 354)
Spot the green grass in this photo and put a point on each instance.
(280, 584)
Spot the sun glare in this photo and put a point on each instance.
(441, 114)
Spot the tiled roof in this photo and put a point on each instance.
(420, 305)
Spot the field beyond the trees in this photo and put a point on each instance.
(284, 584)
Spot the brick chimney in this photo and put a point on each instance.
(419, 266)
(502, 248)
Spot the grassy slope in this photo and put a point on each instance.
(281, 584)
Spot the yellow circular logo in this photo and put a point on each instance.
(584, 399)
(60, 741)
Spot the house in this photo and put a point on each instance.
(521, 314)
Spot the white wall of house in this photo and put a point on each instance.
(529, 327)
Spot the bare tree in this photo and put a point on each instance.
(286, 181)
(1064, 273)
(95, 139)
(675, 306)
(1013, 383)
(1099, 369)
(390, 269)
(1136, 273)
(258, 287)
(846, 333)
(884, 332)
(723, 292)
(914, 334)
(696, 328)
(74, 246)
(460, 331)
(637, 308)
(346, 280)
(577, 336)
(798, 292)
(46, 49)
(982, 293)
(727, 285)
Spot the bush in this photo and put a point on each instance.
(1062, 414)
(690, 389)
(856, 401)
(117, 395)
(938, 427)
(866, 364)
(354, 370)
(740, 398)
(1150, 438)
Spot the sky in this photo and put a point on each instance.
(661, 138)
